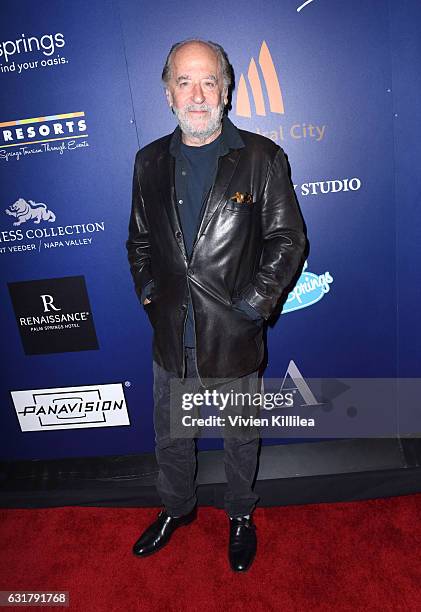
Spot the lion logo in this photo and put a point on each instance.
(25, 211)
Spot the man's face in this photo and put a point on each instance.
(196, 92)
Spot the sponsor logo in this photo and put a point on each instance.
(23, 138)
(44, 47)
(310, 288)
(276, 103)
(71, 407)
(295, 386)
(271, 103)
(41, 234)
(53, 315)
(24, 211)
(330, 186)
(299, 385)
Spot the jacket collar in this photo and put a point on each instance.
(231, 139)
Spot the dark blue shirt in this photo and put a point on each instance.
(194, 175)
(193, 181)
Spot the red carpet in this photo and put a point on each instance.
(346, 556)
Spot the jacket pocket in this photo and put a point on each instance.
(238, 207)
(238, 303)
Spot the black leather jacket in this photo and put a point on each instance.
(248, 250)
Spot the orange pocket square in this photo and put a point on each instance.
(242, 198)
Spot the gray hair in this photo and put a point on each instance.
(224, 64)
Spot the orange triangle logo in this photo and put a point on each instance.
(271, 81)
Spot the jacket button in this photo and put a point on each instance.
(178, 235)
(184, 307)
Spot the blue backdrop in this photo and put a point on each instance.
(336, 87)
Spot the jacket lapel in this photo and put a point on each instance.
(226, 168)
(166, 182)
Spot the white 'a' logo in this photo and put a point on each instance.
(300, 385)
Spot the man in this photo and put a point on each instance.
(215, 237)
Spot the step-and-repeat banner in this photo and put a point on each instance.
(81, 92)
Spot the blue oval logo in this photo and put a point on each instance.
(310, 288)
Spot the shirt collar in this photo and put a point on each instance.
(231, 139)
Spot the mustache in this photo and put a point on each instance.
(198, 107)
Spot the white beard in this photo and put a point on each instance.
(203, 133)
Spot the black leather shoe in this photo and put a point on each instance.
(242, 543)
(159, 533)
